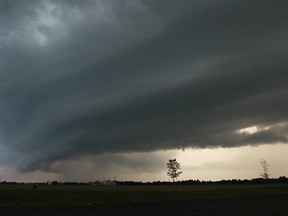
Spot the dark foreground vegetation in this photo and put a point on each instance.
(179, 199)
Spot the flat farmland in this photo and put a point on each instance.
(144, 200)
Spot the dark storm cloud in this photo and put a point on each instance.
(125, 76)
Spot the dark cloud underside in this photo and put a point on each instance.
(93, 77)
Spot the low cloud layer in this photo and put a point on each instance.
(95, 77)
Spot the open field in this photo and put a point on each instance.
(145, 200)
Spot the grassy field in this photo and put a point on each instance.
(23, 195)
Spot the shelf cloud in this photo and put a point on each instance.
(97, 77)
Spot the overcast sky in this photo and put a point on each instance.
(89, 85)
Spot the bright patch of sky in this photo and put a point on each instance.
(203, 164)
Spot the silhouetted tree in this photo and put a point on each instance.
(265, 166)
(173, 169)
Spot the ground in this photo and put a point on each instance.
(145, 200)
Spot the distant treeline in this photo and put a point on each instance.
(281, 179)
